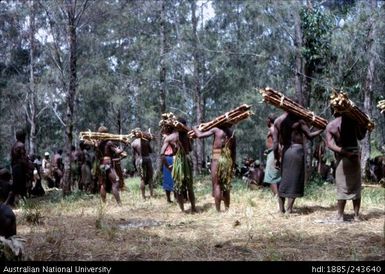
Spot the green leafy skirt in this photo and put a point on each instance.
(182, 172)
(225, 169)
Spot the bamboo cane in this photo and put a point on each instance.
(169, 119)
(381, 106)
(232, 117)
(281, 101)
(341, 103)
(92, 138)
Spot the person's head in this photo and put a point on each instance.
(182, 120)
(167, 129)
(60, 151)
(20, 135)
(46, 154)
(334, 112)
(102, 129)
(73, 148)
(270, 119)
(225, 126)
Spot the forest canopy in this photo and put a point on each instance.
(69, 66)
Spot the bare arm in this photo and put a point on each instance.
(166, 143)
(308, 133)
(205, 134)
(330, 142)
(275, 134)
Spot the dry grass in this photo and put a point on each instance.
(81, 228)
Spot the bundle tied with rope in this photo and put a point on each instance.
(342, 104)
(231, 117)
(92, 138)
(279, 100)
(169, 119)
(381, 106)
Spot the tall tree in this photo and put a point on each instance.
(197, 86)
(369, 82)
(74, 14)
(162, 52)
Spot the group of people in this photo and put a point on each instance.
(284, 171)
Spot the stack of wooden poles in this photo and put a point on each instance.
(381, 106)
(169, 119)
(342, 104)
(231, 117)
(91, 138)
(279, 100)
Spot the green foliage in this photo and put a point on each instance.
(244, 45)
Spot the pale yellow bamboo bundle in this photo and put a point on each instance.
(169, 119)
(381, 106)
(232, 117)
(92, 138)
(279, 100)
(341, 103)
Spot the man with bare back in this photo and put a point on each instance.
(342, 135)
(289, 132)
(222, 162)
(181, 147)
(141, 150)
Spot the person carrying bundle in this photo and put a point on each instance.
(288, 144)
(289, 131)
(181, 170)
(223, 157)
(222, 162)
(342, 135)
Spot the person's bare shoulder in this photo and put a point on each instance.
(279, 120)
(332, 126)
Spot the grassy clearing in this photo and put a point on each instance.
(80, 227)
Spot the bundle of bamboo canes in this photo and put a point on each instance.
(91, 138)
(381, 106)
(232, 117)
(279, 100)
(138, 133)
(341, 103)
(169, 119)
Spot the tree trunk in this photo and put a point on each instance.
(32, 90)
(298, 58)
(71, 93)
(197, 85)
(162, 75)
(368, 89)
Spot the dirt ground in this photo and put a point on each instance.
(81, 228)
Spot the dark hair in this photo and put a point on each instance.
(334, 112)
(271, 117)
(60, 151)
(182, 120)
(20, 135)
